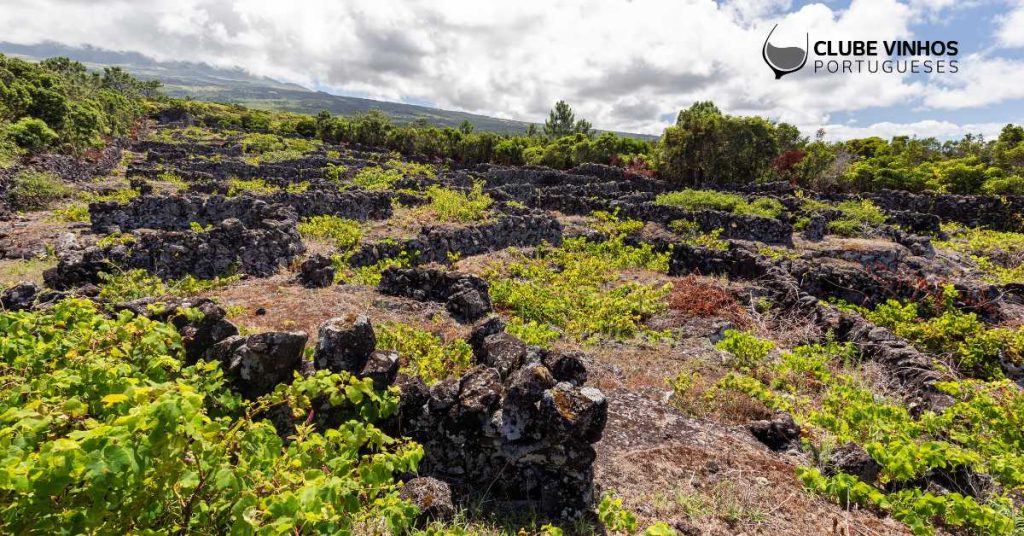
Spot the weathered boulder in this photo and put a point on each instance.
(317, 272)
(344, 344)
(256, 364)
(199, 337)
(18, 297)
(469, 305)
(816, 227)
(779, 433)
(466, 296)
(566, 366)
(504, 352)
(480, 390)
(382, 368)
(852, 459)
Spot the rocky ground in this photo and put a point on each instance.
(550, 428)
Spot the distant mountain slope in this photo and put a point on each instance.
(203, 82)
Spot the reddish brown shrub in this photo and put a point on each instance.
(700, 298)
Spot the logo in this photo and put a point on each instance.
(846, 56)
(785, 60)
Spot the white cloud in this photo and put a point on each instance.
(1011, 27)
(981, 81)
(921, 129)
(624, 64)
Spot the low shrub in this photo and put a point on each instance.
(695, 200)
(75, 212)
(747, 350)
(376, 178)
(857, 219)
(999, 255)
(691, 234)
(137, 283)
(834, 405)
(532, 332)
(35, 190)
(371, 275)
(345, 234)
(424, 354)
(237, 187)
(455, 206)
(576, 288)
(942, 329)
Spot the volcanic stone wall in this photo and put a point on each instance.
(178, 212)
(798, 286)
(435, 243)
(999, 213)
(229, 247)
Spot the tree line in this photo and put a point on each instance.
(59, 104)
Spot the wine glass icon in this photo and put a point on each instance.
(784, 60)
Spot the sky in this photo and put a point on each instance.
(627, 65)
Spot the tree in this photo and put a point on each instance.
(1009, 148)
(306, 127)
(707, 146)
(466, 127)
(562, 122)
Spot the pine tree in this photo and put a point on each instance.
(562, 122)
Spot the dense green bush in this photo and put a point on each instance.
(706, 146)
(31, 133)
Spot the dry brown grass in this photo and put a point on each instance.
(667, 467)
(287, 306)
